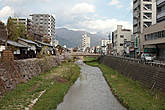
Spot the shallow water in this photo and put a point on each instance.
(90, 92)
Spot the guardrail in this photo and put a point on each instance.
(155, 63)
(84, 54)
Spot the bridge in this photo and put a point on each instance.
(84, 54)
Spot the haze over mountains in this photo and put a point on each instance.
(72, 38)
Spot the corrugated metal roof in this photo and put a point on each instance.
(29, 41)
(13, 43)
(44, 44)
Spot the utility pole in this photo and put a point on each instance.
(109, 36)
(7, 35)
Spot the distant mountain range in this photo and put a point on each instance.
(72, 38)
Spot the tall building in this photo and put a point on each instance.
(154, 36)
(144, 15)
(160, 4)
(120, 36)
(85, 41)
(44, 24)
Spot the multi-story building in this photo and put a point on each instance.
(44, 24)
(160, 4)
(85, 41)
(119, 37)
(105, 42)
(105, 46)
(144, 15)
(154, 36)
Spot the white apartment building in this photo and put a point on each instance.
(105, 42)
(144, 15)
(120, 36)
(85, 41)
(45, 24)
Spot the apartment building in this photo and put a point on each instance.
(105, 46)
(105, 42)
(144, 15)
(160, 4)
(119, 37)
(85, 41)
(44, 24)
(154, 36)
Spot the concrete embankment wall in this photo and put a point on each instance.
(21, 71)
(150, 76)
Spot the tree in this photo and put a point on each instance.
(3, 32)
(46, 39)
(13, 32)
(22, 30)
(30, 35)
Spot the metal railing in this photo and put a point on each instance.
(156, 63)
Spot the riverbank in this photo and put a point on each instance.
(50, 86)
(130, 93)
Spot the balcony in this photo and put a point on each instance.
(135, 22)
(135, 29)
(136, 5)
(161, 14)
(160, 1)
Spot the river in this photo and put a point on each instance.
(90, 92)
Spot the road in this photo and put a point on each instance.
(90, 92)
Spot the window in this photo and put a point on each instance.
(121, 44)
(121, 36)
(155, 35)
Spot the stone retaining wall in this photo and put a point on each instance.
(150, 76)
(21, 71)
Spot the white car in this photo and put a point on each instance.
(147, 57)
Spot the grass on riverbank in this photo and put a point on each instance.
(130, 93)
(56, 82)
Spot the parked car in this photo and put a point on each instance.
(147, 57)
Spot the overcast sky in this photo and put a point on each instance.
(89, 15)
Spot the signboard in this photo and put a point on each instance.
(149, 50)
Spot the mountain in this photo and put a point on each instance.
(72, 38)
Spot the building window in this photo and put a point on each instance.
(121, 44)
(155, 35)
(121, 36)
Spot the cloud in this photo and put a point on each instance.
(6, 12)
(114, 2)
(76, 14)
(98, 25)
(119, 6)
(23, 1)
(83, 8)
